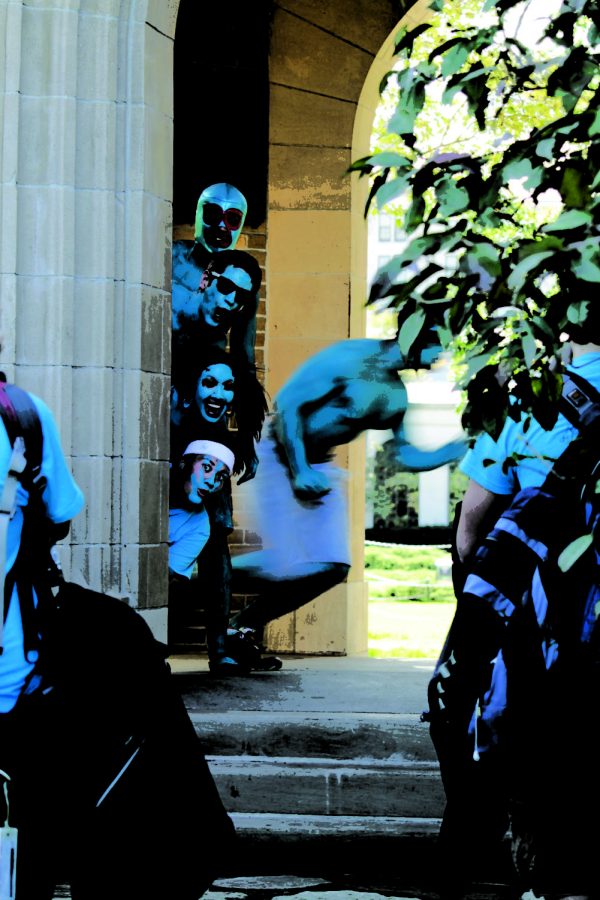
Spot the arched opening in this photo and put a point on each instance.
(417, 503)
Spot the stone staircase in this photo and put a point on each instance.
(366, 786)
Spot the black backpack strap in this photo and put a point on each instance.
(580, 401)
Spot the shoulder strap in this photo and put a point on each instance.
(580, 401)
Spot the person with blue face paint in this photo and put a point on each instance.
(215, 298)
(211, 392)
(220, 217)
(299, 496)
(215, 392)
(205, 469)
(218, 300)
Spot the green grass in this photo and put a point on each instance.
(408, 630)
(411, 601)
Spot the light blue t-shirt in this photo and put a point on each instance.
(188, 533)
(540, 447)
(63, 500)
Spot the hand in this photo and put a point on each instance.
(310, 484)
(249, 471)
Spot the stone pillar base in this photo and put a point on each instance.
(334, 623)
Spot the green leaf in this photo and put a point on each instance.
(474, 365)
(488, 257)
(577, 312)
(406, 38)
(389, 160)
(588, 268)
(530, 349)
(574, 551)
(523, 268)
(452, 198)
(574, 188)
(361, 165)
(410, 330)
(390, 190)
(545, 149)
(415, 214)
(523, 169)
(570, 219)
(454, 60)
(546, 243)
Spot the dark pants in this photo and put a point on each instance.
(36, 751)
(214, 589)
(110, 790)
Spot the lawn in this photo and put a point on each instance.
(411, 600)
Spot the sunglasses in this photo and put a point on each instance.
(213, 214)
(226, 286)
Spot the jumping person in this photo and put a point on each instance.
(298, 495)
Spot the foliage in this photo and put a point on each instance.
(490, 162)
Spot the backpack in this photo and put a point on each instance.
(524, 640)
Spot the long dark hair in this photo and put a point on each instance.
(248, 408)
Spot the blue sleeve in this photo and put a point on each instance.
(483, 463)
(62, 496)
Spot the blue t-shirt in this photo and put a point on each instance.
(188, 533)
(540, 447)
(63, 500)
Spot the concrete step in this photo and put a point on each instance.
(260, 826)
(385, 736)
(342, 787)
(305, 844)
(375, 845)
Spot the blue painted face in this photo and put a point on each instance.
(208, 476)
(215, 392)
(223, 296)
(220, 217)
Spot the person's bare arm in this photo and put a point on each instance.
(308, 388)
(479, 510)
(414, 459)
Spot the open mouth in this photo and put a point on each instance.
(219, 238)
(221, 316)
(214, 409)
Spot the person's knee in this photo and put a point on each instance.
(338, 570)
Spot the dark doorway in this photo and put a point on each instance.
(221, 103)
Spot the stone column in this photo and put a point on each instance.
(86, 172)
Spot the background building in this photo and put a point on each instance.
(89, 110)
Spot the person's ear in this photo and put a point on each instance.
(204, 281)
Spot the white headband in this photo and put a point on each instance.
(212, 448)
